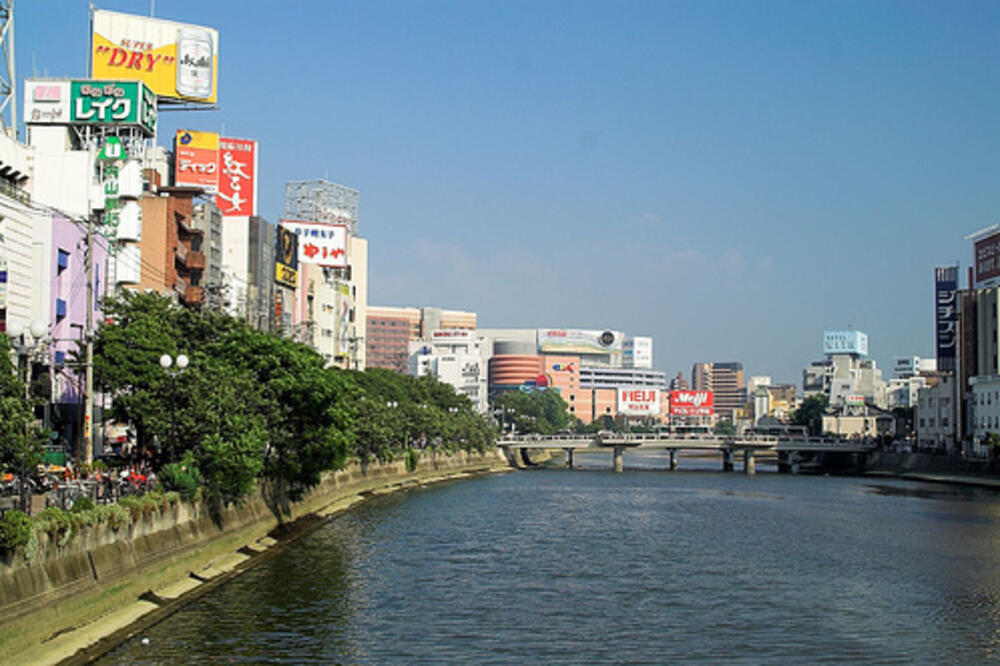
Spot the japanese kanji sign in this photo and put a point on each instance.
(321, 244)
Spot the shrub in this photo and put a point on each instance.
(56, 523)
(412, 458)
(114, 515)
(82, 504)
(15, 531)
(182, 477)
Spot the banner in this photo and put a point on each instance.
(692, 403)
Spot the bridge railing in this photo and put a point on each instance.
(768, 440)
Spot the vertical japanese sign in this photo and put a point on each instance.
(237, 195)
(343, 320)
(111, 156)
(197, 159)
(946, 315)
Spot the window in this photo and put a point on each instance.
(63, 260)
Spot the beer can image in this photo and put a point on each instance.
(195, 60)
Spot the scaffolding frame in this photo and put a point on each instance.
(322, 201)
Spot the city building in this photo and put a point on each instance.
(390, 330)
(457, 357)
(845, 373)
(726, 381)
(679, 383)
(170, 247)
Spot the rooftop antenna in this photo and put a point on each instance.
(8, 91)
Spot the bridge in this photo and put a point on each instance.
(790, 449)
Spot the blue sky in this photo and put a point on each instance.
(731, 178)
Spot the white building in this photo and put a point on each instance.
(637, 352)
(457, 357)
(935, 414)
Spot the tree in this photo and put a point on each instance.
(543, 412)
(810, 413)
(20, 440)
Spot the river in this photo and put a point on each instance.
(587, 566)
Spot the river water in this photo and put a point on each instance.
(587, 566)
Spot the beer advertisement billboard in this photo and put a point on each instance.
(237, 195)
(692, 403)
(320, 244)
(196, 156)
(178, 61)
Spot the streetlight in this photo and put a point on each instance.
(26, 344)
(181, 362)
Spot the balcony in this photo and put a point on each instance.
(181, 287)
(195, 260)
(181, 252)
(193, 295)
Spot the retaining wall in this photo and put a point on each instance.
(64, 588)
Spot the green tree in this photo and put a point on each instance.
(20, 440)
(543, 412)
(810, 413)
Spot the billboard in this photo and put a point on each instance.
(196, 159)
(177, 61)
(237, 196)
(286, 264)
(692, 403)
(637, 352)
(987, 252)
(88, 102)
(639, 401)
(576, 341)
(320, 244)
(845, 342)
(946, 315)
(344, 306)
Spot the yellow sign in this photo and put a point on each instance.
(176, 60)
(286, 276)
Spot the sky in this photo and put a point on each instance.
(731, 178)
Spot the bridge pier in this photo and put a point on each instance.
(749, 463)
(787, 463)
(727, 460)
(619, 461)
(569, 458)
(673, 459)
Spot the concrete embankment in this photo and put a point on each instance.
(76, 599)
(935, 468)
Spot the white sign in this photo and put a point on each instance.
(637, 352)
(639, 401)
(845, 342)
(46, 102)
(321, 244)
(577, 341)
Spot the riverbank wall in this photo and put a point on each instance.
(933, 467)
(68, 593)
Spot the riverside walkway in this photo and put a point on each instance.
(789, 448)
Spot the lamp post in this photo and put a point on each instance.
(181, 362)
(26, 343)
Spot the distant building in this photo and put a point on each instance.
(391, 329)
(679, 383)
(457, 357)
(726, 381)
(846, 375)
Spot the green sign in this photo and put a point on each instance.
(113, 103)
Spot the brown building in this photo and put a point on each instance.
(172, 260)
(390, 331)
(726, 381)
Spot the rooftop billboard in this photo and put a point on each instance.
(987, 252)
(321, 244)
(639, 401)
(576, 341)
(90, 102)
(237, 195)
(178, 61)
(692, 403)
(196, 159)
(845, 342)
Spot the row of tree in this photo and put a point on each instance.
(249, 405)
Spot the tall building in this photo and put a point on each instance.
(726, 381)
(172, 261)
(679, 383)
(457, 357)
(845, 375)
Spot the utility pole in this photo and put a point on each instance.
(88, 337)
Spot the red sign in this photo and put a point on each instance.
(692, 403)
(237, 177)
